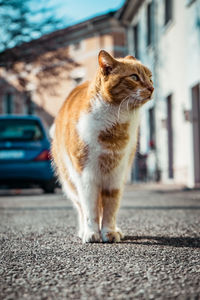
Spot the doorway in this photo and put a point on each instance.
(170, 137)
(196, 131)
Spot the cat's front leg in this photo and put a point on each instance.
(110, 201)
(89, 198)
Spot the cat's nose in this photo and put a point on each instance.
(150, 88)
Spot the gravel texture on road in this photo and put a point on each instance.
(42, 258)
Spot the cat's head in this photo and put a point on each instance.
(124, 78)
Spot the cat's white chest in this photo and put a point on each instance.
(90, 126)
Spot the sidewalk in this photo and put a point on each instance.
(156, 186)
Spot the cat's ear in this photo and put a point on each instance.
(130, 57)
(106, 62)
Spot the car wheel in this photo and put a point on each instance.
(49, 187)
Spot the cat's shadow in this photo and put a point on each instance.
(178, 242)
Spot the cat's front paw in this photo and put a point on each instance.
(91, 237)
(111, 236)
(80, 234)
(120, 233)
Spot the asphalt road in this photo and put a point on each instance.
(42, 258)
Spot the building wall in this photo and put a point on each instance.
(192, 29)
(171, 71)
(174, 58)
(178, 71)
(82, 49)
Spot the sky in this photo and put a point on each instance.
(69, 12)
(75, 11)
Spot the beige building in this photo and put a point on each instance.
(37, 76)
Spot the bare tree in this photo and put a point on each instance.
(27, 52)
(22, 21)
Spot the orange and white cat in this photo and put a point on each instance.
(94, 142)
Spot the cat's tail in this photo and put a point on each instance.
(52, 130)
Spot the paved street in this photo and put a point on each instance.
(42, 258)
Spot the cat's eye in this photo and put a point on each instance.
(135, 77)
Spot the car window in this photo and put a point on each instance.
(20, 130)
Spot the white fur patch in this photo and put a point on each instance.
(52, 130)
(90, 125)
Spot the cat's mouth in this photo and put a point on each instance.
(150, 97)
(136, 100)
(144, 99)
(141, 101)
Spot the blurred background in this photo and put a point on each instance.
(49, 47)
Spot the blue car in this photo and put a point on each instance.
(25, 153)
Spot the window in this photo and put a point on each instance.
(20, 130)
(168, 10)
(8, 104)
(135, 33)
(29, 106)
(149, 24)
(77, 45)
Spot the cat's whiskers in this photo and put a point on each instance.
(131, 98)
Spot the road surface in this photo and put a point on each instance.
(42, 258)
